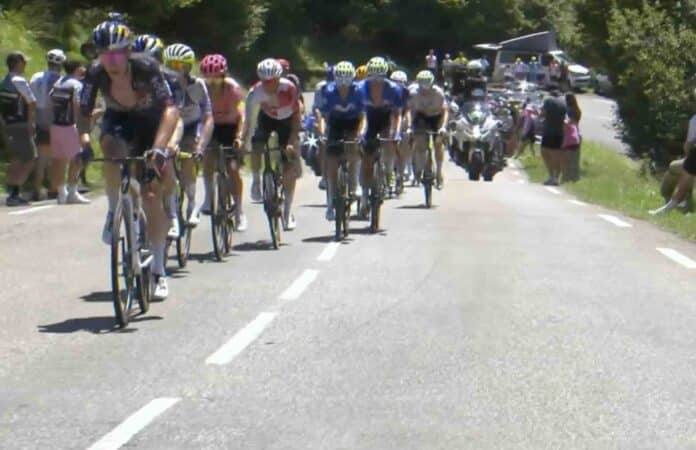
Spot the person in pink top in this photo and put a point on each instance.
(273, 106)
(227, 98)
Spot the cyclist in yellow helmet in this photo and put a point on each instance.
(361, 72)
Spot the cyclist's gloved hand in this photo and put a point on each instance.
(409, 132)
(442, 131)
(290, 151)
(238, 143)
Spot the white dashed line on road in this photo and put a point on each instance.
(30, 210)
(241, 340)
(522, 181)
(329, 251)
(552, 190)
(299, 285)
(133, 424)
(615, 221)
(678, 257)
(578, 203)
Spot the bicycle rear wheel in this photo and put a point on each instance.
(428, 180)
(271, 205)
(122, 270)
(227, 214)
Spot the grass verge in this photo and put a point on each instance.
(614, 181)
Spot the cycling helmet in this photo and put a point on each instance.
(344, 72)
(285, 64)
(474, 67)
(269, 69)
(56, 56)
(111, 36)
(425, 78)
(150, 44)
(213, 65)
(180, 53)
(377, 67)
(400, 77)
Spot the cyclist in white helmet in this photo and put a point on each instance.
(273, 105)
(428, 112)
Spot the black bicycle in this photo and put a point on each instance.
(273, 194)
(428, 178)
(223, 209)
(379, 186)
(343, 197)
(131, 259)
(183, 241)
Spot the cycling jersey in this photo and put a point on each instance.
(319, 94)
(336, 107)
(174, 82)
(152, 91)
(196, 101)
(62, 97)
(15, 97)
(391, 96)
(428, 102)
(279, 105)
(226, 106)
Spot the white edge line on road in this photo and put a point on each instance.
(133, 424)
(522, 181)
(604, 100)
(30, 210)
(329, 251)
(678, 257)
(552, 190)
(241, 340)
(605, 118)
(615, 221)
(578, 202)
(299, 285)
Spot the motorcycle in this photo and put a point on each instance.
(477, 145)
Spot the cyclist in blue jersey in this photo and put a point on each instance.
(384, 103)
(343, 107)
(404, 149)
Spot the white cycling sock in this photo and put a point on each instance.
(158, 265)
(191, 192)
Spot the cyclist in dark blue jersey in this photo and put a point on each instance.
(343, 107)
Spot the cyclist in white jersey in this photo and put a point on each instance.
(428, 112)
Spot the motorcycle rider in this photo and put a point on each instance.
(476, 85)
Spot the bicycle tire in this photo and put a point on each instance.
(428, 179)
(340, 204)
(226, 213)
(183, 244)
(143, 281)
(215, 224)
(376, 197)
(271, 201)
(121, 267)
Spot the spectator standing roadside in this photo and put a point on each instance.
(572, 140)
(431, 62)
(533, 70)
(446, 66)
(554, 113)
(521, 70)
(65, 137)
(41, 84)
(17, 110)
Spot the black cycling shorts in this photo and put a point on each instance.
(138, 131)
(421, 122)
(378, 122)
(341, 129)
(690, 163)
(225, 134)
(266, 125)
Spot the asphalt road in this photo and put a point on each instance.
(598, 121)
(508, 316)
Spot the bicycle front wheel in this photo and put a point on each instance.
(122, 270)
(217, 222)
(272, 206)
(183, 244)
(377, 195)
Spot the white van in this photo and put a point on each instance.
(545, 48)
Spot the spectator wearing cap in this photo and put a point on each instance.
(41, 84)
(17, 110)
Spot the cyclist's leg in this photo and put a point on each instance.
(420, 145)
(116, 131)
(292, 169)
(389, 158)
(405, 154)
(258, 141)
(439, 147)
(188, 175)
(332, 155)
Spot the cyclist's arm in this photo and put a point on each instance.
(396, 121)
(170, 115)
(251, 111)
(208, 121)
(242, 120)
(444, 116)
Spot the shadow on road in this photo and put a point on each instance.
(313, 206)
(421, 206)
(95, 325)
(103, 296)
(255, 246)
